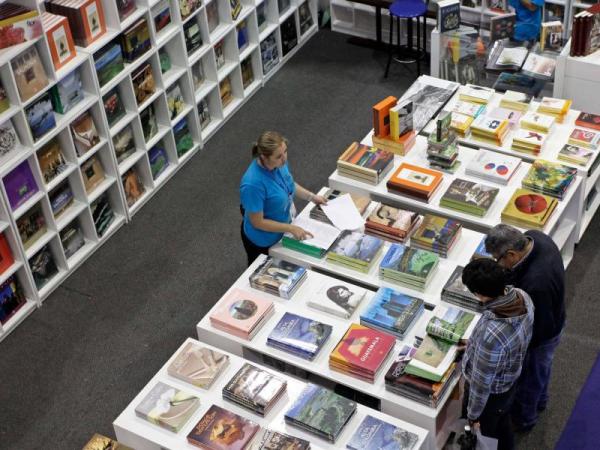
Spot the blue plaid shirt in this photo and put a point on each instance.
(494, 355)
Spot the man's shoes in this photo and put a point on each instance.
(520, 428)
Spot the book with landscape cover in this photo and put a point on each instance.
(457, 293)
(358, 246)
(198, 365)
(469, 197)
(299, 335)
(336, 297)
(277, 277)
(451, 324)
(437, 233)
(241, 313)
(375, 434)
(220, 429)
(412, 266)
(274, 440)
(167, 407)
(432, 359)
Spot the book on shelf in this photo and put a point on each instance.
(212, 16)
(92, 173)
(585, 138)
(261, 16)
(43, 267)
(503, 57)
(31, 226)
(324, 235)
(300, 336)
(184, 141)
(159, 161)
(51, 160)
(269, 53)
(448, 15)
(6, 256)
(365, 163)
(221, 429)
(102, 214)
(392, 312)
(278, 277)
(167, 407)
(187, 7)
(204, 113)
(549, 178)
(585, 33)
(60, 39)
(135, 40)
(355, 250)
(11, 298)
(528, 141)
(9, 139)
(309, 412)
(476, 94)
(161, 14)
(274, 440)
(588, 120)
(113, 106)
(306, 20)
(225, 91)
(86, 18)
(148, 121)
(219, 49)
(192, 35)
(415, 181)
(30, 75)
(175, 101)
(124, 144)
(450, 323)
(392, 224)
(72, 239)
(539, 66)
(335, 297)
(469, 197)
(289, 35)
(247, 72)
(66, 93)
(456, 293)
(375, 434)
(528, 209)
(144, 86)
(493, 166)
(108, 62)
(18, 24)
(236, 8)
(437, 234)
(241, 313)
(502, 26)
(20, 185)
(132, 186)
(40, 116)
(100, 442)
(409, 266)
(60, 198)
(575, 155)
(255, 389)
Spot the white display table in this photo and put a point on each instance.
(140, 434)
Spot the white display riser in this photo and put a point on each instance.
(140, 434)
(435, 420)
(556, 140)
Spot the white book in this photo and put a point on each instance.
(537, 121)
(333, 296)
(530, 137)
(493, 166)
(471, 92)
(324, 235)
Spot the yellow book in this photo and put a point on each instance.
(529, 209)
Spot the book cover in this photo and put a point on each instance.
(51, 160)
(437, 231)
(11, 298)
(381, 116)
(254, 387)
(275, 274)
(220, 429)
(455, 286)
(585, 138)
(274, 440)
(43, 267)
(307, 336)
(468, 108)
(375, 434)
(388, 216)
(40, 116)
(124, 144)
(588, 120)
(356, 245)
(470, 193)
(6, 257)
(480, 251)
(578, 155)
(432, 351)
(241, 310)
(306, 20)
(9, 139)
(476, 94)
(549, 176)
(492, 165)
(448, 16)
(167, 407)
(99, 442)
(198, 365)
(533, 208)
(411, 261)
(502, 27)
(416, 178)
(392, 310)
(336, 297)
(367, 157)
(363, 347)
(539, 66)
(20, 185)
(84, 132)
(449, 323)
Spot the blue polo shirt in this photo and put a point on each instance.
(529, 23)
(271, 192)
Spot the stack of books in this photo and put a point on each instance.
(220, 429)
(480, 251)
(588, 120)
(414, 181)
(528, 209)
(324, 235)
(492, 166)
(335, 297)
(241, 313)
(537, 122)
(198, 365)
(450, 324)
(361, 203)
(501, 113)
(575, 155)
(355, 250)
(476, 94)
(362, 352)
(585, 138)
(555, 107)
(433, 358)
(274, 440)
(310, 412)
(436, 234)
(373, 433)
(442, 149)
(167, 407)
(411, 267)
(490, 130)
(456, 293)
(528, 141)
(254, 389)
(278, 277)
(299, 336)
(469, 197)
(519, 101)
(392, 224)
(364, 163)
(392, 312)
(393, 128)
(463, 114)
(549, 178)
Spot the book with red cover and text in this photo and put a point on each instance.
(588, 120)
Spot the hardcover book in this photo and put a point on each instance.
(269, 53)
(108, 62)
(187, 7)
(85, 134)
(40, 116)
(585, 138)
(124, 144)
(184, 141)
(9, 139)
(529, 209)
(241, 313)
(60, 198)
(357, 246)
(502, 27)
(277, 277)
(175, 101)
(193, 36)
(20, 185)
(6, 257)
(143, 83)
(450, 324)
(437, 234)
(373, 161)
(102, 214)
(456, 292)
(247, 72)
(588, 120)
(476, 94)
(135, 41)
(161, 14)
(159, 161)
(575, 155)
(549, 178)
(289, 35)
(212, 15)
(167, 407)
(409, 266)
(469, 197)
(11, 298)
(381, 116)
(31, 226)
(448, 15)
(274, 440)
(375, 434)
(29, 73)
(67, 93)
(148, 120)
(414, 180)
(493, 166)
(51, 160)
(92, 173)
(539, 66)
(113, 106)
(43, 267)
(299, 335)
(432, 359)
(198, 365)
(133, 187)
(71, 238)
(306, 20)
(336, 297)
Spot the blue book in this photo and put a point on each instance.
(357, 246)
(299, 335)
(392, 311)
(480, 251)
(375, 434)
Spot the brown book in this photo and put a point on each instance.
(93, 173)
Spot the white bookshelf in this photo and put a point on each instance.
(140, 434)
(169, 40)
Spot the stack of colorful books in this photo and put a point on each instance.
(392, 312)
(442, 148)
(392, 224)
(493, 166)
(537, 122)
(528, 209)
(355, 250)
(278, 277)
(490, 130)
(241, 313)
(334, 296)
(556, 107)
(414, 181)
(408, 266)
(456, 293)
(463, 114)
(299, 336)
(436, 234)
(375, 434)
(518, 101)
(220, 428)
(476, 94)
(469, 197)
(362, 352)
(575, 155)
(198, 365)
(585, 138)
(364, 163)
(361, 203)
(501, 113)
(310, 412)
(393, 128)
(254, 389)
(549, 178)
(528, 141)
(324, 235)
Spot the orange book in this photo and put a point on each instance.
(415, 178)
(60, 39)
(6, 257)
(93, 20)
(381, 116)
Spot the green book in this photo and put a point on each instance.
(452, 324)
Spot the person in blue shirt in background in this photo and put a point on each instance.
(529, 19)
(267, 193)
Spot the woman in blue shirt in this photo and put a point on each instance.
(529, 19)
(267, 192)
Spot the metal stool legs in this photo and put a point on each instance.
(412, 54)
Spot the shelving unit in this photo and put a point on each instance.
(184, 70)
(140, 434)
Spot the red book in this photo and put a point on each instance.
(381, 116)
(588, 120)
(6, 257)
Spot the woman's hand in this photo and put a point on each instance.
(299, 233)
(319, 200)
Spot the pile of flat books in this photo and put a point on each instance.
(299, 336)
(411, 267)
(575, 155)
(364, 163)
(220, 429)
(393, 125)
(324, 235)
(501, 113)
(528, 209)
(518, 101)
(198, 365)
(254, 389)
(463, 114)
(241, 313)
(528, 141)
(489, 129)
(585, 138)
(469, 197)
(355, 250)
(392, 312)
(442, 149)
(436, 234)
(361, 203)
(549, 178)
(456, 293)
(311, 412)
(375, 434)
(392, 224)
(537, 122)
(414, 181)
(167, 407)
(362, 352)
(555, 107)
(420, 390)
(335, 297)
(476, 94)
(493, 166)
(273, 440)
(278, 277)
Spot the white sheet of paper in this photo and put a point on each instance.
(324, 235)
(343, 213)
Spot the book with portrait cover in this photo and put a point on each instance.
(241, 313)
(220, 429)
(469, 197)
(167, 407)
(274, 440)
(299, 335)
(528, 209)
(198, 365)
(278, 277)
(375, 434)
(336, 297)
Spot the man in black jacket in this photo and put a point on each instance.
(535, 265)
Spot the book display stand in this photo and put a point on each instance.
(146, 130)
(140, 434)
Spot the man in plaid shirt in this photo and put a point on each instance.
(495, 351)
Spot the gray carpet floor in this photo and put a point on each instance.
(74, 364)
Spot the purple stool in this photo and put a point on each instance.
(408, 9)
